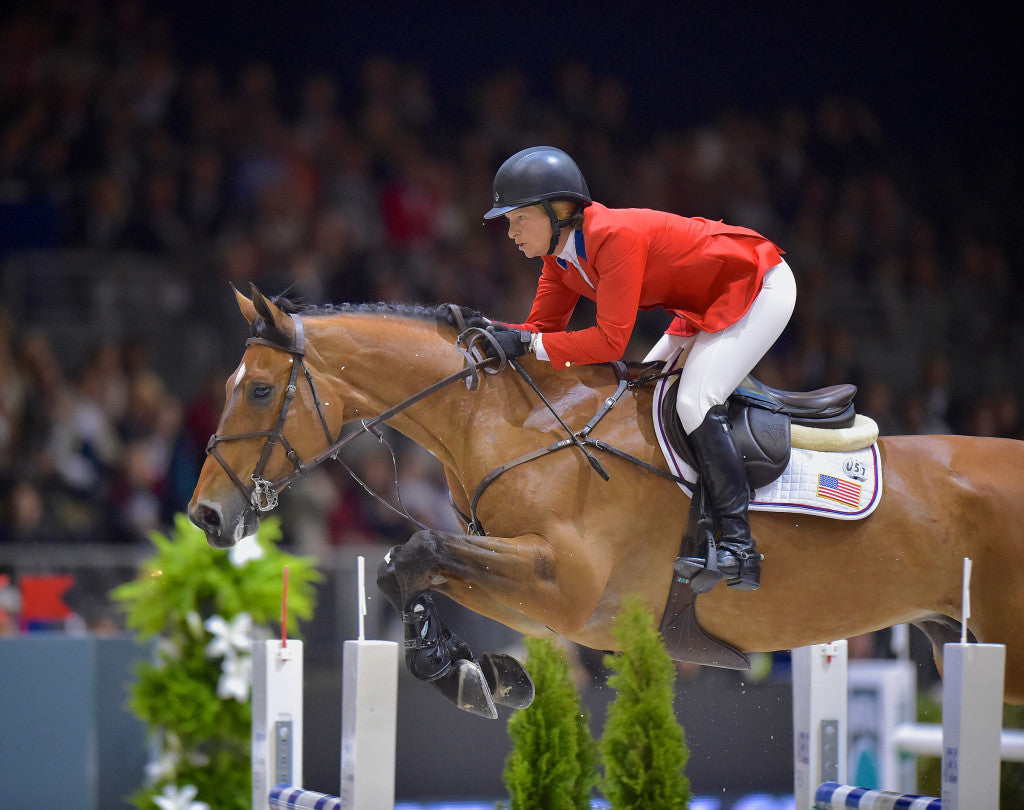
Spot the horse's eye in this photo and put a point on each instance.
(259, 391)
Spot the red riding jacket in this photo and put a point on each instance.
(705, 273)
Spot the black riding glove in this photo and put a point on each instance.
(470, 317)
(513, 342)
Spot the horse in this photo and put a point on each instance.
(559, 543)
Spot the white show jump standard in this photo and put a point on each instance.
(971, 727)
(368, 724)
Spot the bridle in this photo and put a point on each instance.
(263, 494)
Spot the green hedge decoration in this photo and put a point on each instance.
(204, 607)
(643, 747)
(553, 763)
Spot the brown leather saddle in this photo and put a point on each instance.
(761, 418)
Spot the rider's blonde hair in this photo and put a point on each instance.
(566, 210)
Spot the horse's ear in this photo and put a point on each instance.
(271, 313)
(244, 304)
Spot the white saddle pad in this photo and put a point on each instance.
(843, 485)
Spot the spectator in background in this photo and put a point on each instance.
(351, 192)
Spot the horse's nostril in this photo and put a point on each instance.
(206, 518)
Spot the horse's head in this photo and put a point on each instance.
(274, 418)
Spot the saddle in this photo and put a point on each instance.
(762, 418)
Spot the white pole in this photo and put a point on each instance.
(369, 713)
(362, 597)
(972, 717)
(276, 717)
(819, 718)
(965, 610)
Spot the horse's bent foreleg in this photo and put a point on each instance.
(511, 581)
(520, 582)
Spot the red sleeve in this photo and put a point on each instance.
(618, 260)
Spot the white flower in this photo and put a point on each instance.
(174, 798)
(235, 678)
(165, 650)
(229, 638)
(244, 550)
(165, 754)
(164, 766)
(194, 623)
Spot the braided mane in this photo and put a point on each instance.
(269, 332)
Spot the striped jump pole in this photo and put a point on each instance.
(286, 797)
(832, 796)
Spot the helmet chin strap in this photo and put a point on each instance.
(556, 226)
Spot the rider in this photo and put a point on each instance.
(728, 287)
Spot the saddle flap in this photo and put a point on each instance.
(762, 436)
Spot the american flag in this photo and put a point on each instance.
(838, 489)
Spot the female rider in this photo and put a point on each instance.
(728, 287)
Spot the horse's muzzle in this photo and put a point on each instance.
(219, 532)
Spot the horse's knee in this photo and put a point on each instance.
(387, 579)
(414, 564)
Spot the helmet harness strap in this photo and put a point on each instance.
(556, 225)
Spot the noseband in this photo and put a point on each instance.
(263, 493)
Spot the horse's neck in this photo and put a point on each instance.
(380, 362)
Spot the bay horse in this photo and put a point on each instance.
(562, 541)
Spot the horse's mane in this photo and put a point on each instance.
(380, 308)
(267, 331)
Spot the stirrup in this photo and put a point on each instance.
(703, 573)
(700, 573)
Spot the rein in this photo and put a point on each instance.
(263, 495)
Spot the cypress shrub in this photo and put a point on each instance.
(553, 762)
(643, 748)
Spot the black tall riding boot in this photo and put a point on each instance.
(725, 481)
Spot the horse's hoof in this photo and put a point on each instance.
(508, 680)
(474, 695)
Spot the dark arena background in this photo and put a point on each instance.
(152, 154)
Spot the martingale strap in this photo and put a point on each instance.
(579, 440)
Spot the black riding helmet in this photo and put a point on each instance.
(536, 176)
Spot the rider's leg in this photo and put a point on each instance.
(716, 364)
(667, 347)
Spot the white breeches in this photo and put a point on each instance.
(718, 361)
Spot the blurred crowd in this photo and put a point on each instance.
(373, 190)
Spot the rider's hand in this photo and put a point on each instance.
(470, 317)
(513, 342)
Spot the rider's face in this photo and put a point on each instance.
(530, 229)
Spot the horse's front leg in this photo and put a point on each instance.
(488, 575)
